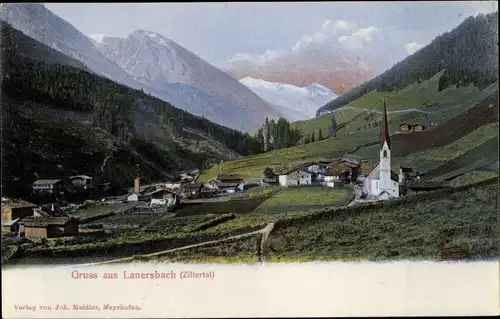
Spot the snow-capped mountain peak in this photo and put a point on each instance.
(299, 103)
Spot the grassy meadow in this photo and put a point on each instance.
(410, 231)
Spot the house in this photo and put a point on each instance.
(336, 177)
(405, 127)
(10, 226)
(173, 185)
(208, 192)
(48, 186)
(163, 196)
(405, 173)
(418, 127)
(49, 227)
(230, 187)
(83, 181)
(192, 190)
(313, 167)
(383, 183)
(295, 177)
(16, 208)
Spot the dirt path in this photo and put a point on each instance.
(264, 231)
(263, 240)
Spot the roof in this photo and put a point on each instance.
(335, 171)
(375, 174)
(18, 203)
(81, 176)
(193, 186)
(10, 222)
(46, 221)
(160, 190)
(384, 128)
(291, 170)
(46, 181)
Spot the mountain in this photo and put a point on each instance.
(41, 24)
(60, 119)
(300, 103)
(339, 70)
(155, 68)
(157, 62)
(467, 54)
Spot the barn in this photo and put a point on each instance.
(49, 227)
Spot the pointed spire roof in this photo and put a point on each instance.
(384, 128)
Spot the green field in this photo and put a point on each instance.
(291, 200)
(410, 231)
(234, 252)
(255, 192)
(459, 147)
(253, 166)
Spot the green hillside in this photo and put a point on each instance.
(467, 54)
(57, 116)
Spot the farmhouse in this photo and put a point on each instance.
(48, 186)
(405, 127)
(192, 190)
(81, 181)
(49, 227)
(163, 196)
(418, 127)
(295, 177)
(336, 177)
(16, 208)
(229, 178)
(230, 187)
(382, 183)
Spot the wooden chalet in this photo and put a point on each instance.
(49, 227)
(418, 128)
(16, 208)
(405, 127)
(229, 178)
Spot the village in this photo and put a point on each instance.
(56, 211)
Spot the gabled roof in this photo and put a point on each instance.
(81, 176)
(46, 221)
(18, 203)
(10, 222)
(46, 181)
(384, 128)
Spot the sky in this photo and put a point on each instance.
(223, 32)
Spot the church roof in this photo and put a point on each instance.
(384, 129)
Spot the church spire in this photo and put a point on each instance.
(384, 128)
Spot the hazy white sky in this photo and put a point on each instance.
(218, 32)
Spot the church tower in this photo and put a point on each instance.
(385, 154)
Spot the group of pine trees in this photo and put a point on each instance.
(277, 134)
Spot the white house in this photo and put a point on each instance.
(314, 167)
(295, 177)
(382, 183)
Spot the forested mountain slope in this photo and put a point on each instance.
(467, 54)
(60, 118)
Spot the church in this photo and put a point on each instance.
(382, 183)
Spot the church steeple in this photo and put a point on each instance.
(384, 128)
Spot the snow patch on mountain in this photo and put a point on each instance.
(299, 103)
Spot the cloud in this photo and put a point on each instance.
(413, 47)
(357, 38)
(267, 56)
(331, 34)
(328, 31)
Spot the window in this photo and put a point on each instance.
(385, 153)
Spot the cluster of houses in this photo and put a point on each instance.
(171, 194)
(381, 182)
(24, 219)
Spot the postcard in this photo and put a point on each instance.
(272, 159)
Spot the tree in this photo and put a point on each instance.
(320, 135)
(313, 137)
